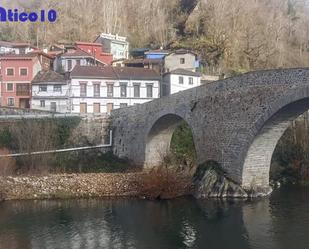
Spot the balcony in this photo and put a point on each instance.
(22, 90)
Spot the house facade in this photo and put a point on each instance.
(17, 72)
(15, 48)
(102, 89)
(50, 92)
(116, 45)
(67, 61)
(95, 49)
(179, 80)
(181, 59)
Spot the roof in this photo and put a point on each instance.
(136, 73)
(89, 44)
(181, 71)
(158, 51)
(48, 76)
(92, 72)
(76, 53)
(40, 52)
(15, 44)
(115, 73)
(182, 51)
(143, 61)
(28, 56)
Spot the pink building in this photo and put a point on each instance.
(17, 72)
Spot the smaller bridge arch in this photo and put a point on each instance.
(159, 137)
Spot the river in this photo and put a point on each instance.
(279, 221)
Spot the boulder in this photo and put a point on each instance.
(210, 181)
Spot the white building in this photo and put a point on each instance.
(15, 47)
(116, 45)
(179, 80)
(68, 60)
(50, 92)
(102, 89)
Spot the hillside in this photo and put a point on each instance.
(231, 36)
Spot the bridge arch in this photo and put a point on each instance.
(158, 138)
(268, 131)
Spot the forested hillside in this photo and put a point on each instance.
(231, 36)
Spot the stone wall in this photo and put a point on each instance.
(226, 118)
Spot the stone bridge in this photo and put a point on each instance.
(236, 122)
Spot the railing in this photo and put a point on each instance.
(23, 93)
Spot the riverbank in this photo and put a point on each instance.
(65, 186)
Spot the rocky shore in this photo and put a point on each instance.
(69, 186)
(62, 186)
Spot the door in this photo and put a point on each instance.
(96, 108)
(53, 106)
(83, 107)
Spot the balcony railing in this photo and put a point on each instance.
(23, 93)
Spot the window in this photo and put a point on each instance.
(10, 71)
(53, 106)
(23, 71)
(78, 62)
(69, 65)
(10, 101)
(182, 60)
(57, 88)
(136, 90)
(180, 79)
(83, 89)
(96, 108)
(83, 107)
(110, 90)
(109, 107)
(149, 90)
(123, 89)
(42, 103)
(9, 87)
(123, 105)
(190, 80)
(22, 89)
(96, 89)
(42, 88)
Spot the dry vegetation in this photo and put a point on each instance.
(232, 36)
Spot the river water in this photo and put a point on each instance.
(279, 221)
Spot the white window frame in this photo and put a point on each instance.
(183, 79)
(41, 90)
(21, 69)
(151, 85)
(12, 99)
(191, 81)
(57, 86)
(12, 87)
(42, 102)
(6, 71)
(110, 94)
(139, 91)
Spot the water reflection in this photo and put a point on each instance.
(281, 221)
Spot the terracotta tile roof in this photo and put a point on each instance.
(136, 73)
(93, 72)
(76, 53)
(28, 56)
(115, 73)
(46, 76)
(89, 43)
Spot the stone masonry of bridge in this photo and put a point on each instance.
(236, 122)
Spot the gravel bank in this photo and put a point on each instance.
(69, 186)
